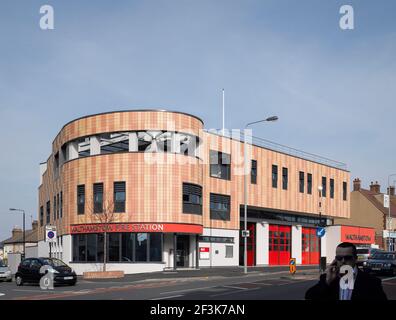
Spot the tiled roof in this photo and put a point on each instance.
(31, 236)
(371, 196)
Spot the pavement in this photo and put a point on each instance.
(261, 283)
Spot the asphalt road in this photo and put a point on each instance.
(274, 285)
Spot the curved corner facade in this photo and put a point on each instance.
(168, 194)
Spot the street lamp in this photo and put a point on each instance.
(24, 242)
(320, 189)
(274, 118)
(389, 212)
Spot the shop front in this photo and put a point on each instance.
(134, 247)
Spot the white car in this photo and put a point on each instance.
(5, 273)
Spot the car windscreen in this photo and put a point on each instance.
(54, 262)
(384, 256)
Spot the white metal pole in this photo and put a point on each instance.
(245, 200)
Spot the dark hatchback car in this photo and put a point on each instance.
(29, 271)
(381, 262)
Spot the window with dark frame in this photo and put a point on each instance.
(309, 183)
(220, 165)
(54, 212)
(344, 191)
(274, 176)
(119, 196)
(121, 247)
(48, 217)
(98, 197)
(41, 216)
(332, 188)
(192, 198)
(301, 181)
(61, 204)
(81, 199)
(285, 178)
(220, 207)
(324, 183)
(253, 172)
(57, 206)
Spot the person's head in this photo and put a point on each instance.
(346, 254)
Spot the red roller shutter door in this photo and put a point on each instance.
(279, 244)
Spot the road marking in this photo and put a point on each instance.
(170, 297)
(387, 279)
(186, 290)
(2, 294)
(232, 292)
(239, 288)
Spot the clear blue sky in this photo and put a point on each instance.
(333, 90)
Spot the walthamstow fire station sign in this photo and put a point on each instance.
(136, 227)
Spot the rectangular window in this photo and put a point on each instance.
(285, 178)
(332, 188)
(114, 246)
(229, 252)
(98, 197)
(301, 181)
(48, 218)
(220, 207)
(220, 165)
(61, 204)
(91, 247)
(253, 172)
(141, 247)
(54, 212)
(155, 247)
(309, 183)
(79, 247)
(344, 191)
(119, 196)
(57, 206)
(324, 183)
(41, 216)
(274, 176)
(127, 240)
(192, 198)
(81, 199)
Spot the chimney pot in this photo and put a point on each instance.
(375, 187)
(356, 184)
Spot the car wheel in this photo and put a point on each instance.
(18, 281)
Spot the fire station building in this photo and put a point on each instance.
(167, 193)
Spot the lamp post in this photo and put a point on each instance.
(389, 213)
(24, 242)
(274, 118)
(320, 189)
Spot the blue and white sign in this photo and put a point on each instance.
(50, 234)
(320, 232)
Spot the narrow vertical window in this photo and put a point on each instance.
(61, 204)
(57, 206)
(274, 176)
(48, 215)
(253, 173)
(344, 191)
(285, 178)
(54, 212)
(119, 196)
(309, 183)
(301, 181)
(81, 199)
(41, 216)
(98, 197)
(324, 183)
(332, 188)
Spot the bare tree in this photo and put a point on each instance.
(105, 216)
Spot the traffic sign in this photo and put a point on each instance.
(320, 232)
(245, 233)
(292, 266)
(50, 234)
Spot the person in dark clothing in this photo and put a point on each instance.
(366, 286)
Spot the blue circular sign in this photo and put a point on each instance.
(51, 234)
